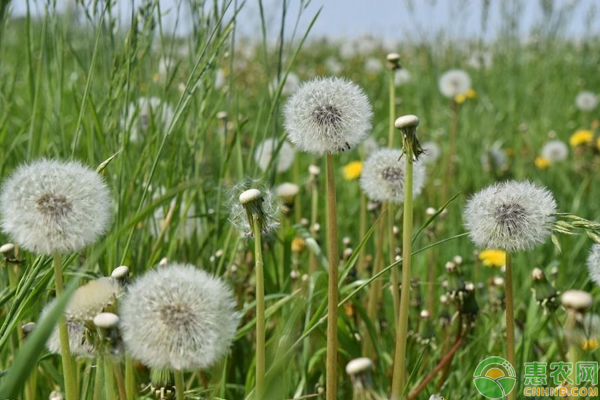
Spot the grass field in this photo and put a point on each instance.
(177, 122)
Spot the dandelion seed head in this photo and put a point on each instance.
(79, 343)
(555, 151)
(511, 216)
(382, 176)
(454, 82)
(178, 317)
(328, 115)
(586, 101)
(593, 263)
(265, 151)
(92, 298)
(51, 206)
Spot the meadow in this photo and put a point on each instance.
(174, 127)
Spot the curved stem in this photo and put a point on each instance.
(63, 332)
(260, 310)
(510, 318)
(398, 381)
(332, 298)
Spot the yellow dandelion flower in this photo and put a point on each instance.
(352, 170)
(595, 124)
(598, 143)
(298, 245)
(493, 258)
(582, 136)
(471, 94)
(590, 344)
(542, 163)
(460, 98)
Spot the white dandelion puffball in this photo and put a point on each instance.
(263, 154)
(328, 115)
(401, 77)
(555, 151)
(373, 65)
(92, 298)
(593, 263)
(79, 344)
(510, 215)
(382, 176)
(454, 82)
(333, 66)
(586, 101)
(178, 317)
(149, 111)
(431, 152)
(291, 84)
(52, 206)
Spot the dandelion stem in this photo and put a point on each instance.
(312, 266)
(398, 381)
(121, 382)
(362, 232)
(452, 152)
(109, 377)
(260, 310)
(179, 386)
(510, 317)
(65, 351)
(98, 376)
(129, 378)
(392, 109)
(391, 213)
(332, 306)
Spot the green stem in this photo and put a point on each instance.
(98, 380)
(129, 378)
(179, 386)
(398, 381)
(510, 317)
(109, 378)
(392, 110)
(362, 232)
(65, 351)
(452, 152)
(391, 214)
(312, 265)
(260, 310)
(332, 298)
(121, 383)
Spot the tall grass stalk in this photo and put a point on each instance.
(260, 309)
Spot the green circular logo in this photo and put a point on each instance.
(494, 378)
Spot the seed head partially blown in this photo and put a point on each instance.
(512, 216)
(178, 317)
(593, 263)
(52, 206)
(328, 115)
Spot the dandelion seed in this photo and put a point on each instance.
(511, 216)
(586, 101)
(244, 194)
(263, 155)
(454, 82)
(148, 112)
(327, 115)
(382, 176)
(555, 151)
(51, 206)
(178, 317)
(593, 263)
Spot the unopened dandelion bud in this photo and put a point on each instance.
(498, 281)
(222, 116)
(120, 273)
(545, 294)
(294, 274)
(287, 192)
(469, 307)
(576, 300)
(426, 328)
(305, 222)
(373, 206)
(8, 250)
(316, 228)
(163, 262)
(359, 366)
(450, 266)
(430, 211)
(314, 170)
(393, 61)
(106, 320)
(347, 253)
(407, 124)
(28, 328)
(56, 395)
(457, 260)
(346, 241)
(395, 230)
(456, 284)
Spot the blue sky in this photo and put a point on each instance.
(388, 19)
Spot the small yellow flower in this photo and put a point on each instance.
(460, 98)
(595, 124)
(298, 245)
(471, 94)
(493, 258)
(580, 137)
(542, 163)
(590, 344)
(352, 170)
(155, 77)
